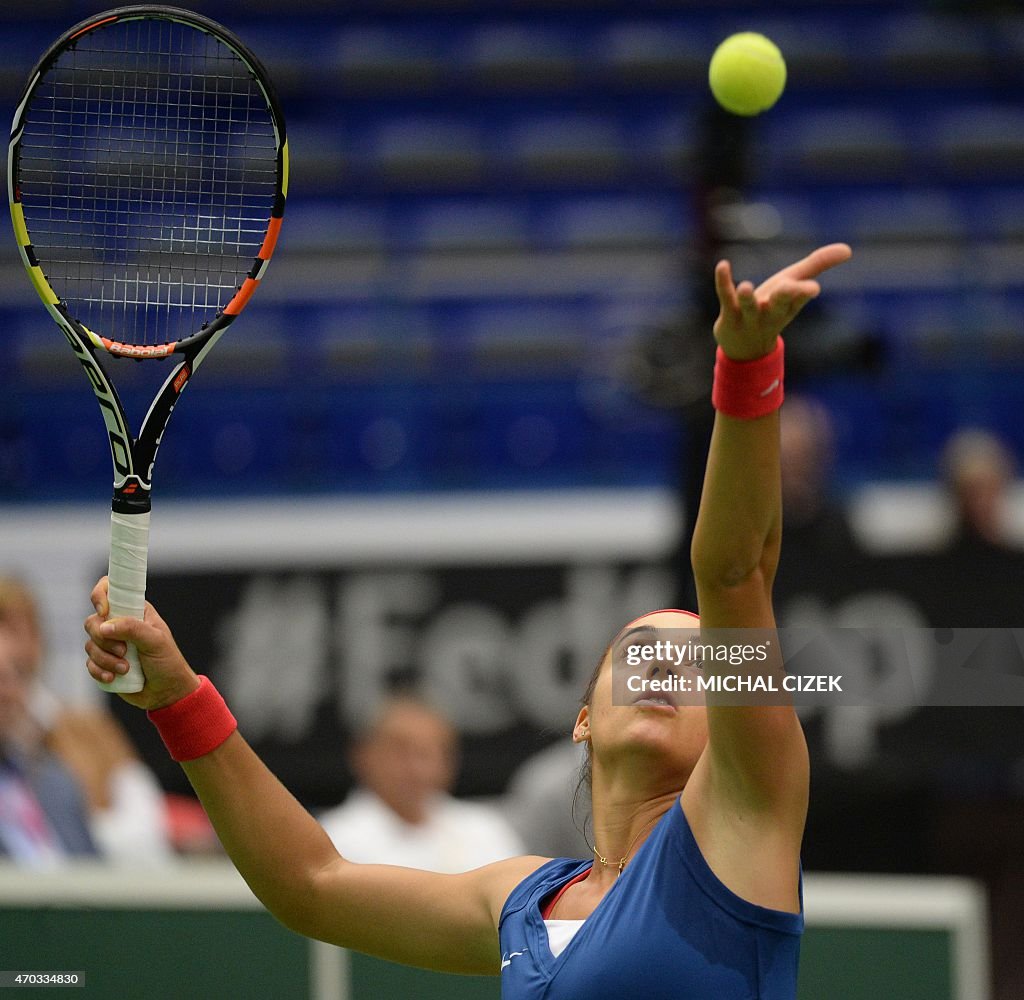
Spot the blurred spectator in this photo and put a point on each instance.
(19, 615)
(813, 517)
(125, 802)
(976, 830)
(820, 544)
(538, 797)
(401, 812)
(978, 469)
(43, 816)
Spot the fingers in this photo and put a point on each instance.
(745, 295)
(104, 666)
(780, 299)
(106, 655)
(779, 305)
(738, 301)
(94, 627)
(819, 261)
(833, 254)
(725, 288)
(797, 304)
(752, 318)
(745, 301)
(151, 617)
(108, 643)
(142, 633)
(99, 597)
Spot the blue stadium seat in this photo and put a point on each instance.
(645, 53)
(373, 59)
(516, 340)
(227, 439)
(565, 149)
(424, 152)
(999, 213)
(329, 225)
(521, 55)
(523, 429)
(981, 141)
(998, 330)
(377, 437)
(1009, 38)
(20, 41)
(841, 144)
(321, 157)
(799, 218)
(449, 224)
(52, 444)
(379, 342)
(662, 146)
(613, 221)
(902, 215)
(945, 50)
(299, 60)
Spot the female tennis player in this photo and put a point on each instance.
(698, 812)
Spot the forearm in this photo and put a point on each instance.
(739, 524)
(276, 845)
(738, 527)
(439, 921)
(421, 918)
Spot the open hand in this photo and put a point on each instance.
(751, 319)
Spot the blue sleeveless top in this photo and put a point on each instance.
(667, 929)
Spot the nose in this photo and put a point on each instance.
(660, 670)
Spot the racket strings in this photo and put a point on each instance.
(148, 173)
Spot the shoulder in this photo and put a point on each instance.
(752, 855)
(504, 882)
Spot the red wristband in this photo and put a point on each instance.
(748, 389)
(196, 724)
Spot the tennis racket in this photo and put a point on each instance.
(147, 173)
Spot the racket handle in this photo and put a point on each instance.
(129, 554)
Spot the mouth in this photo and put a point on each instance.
(656, 701)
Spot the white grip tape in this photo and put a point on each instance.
(129, 555)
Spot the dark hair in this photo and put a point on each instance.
(586, 768)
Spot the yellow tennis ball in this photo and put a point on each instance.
(747, 73)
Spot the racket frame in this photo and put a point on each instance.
(133, 457)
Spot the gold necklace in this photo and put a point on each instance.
(605, 863)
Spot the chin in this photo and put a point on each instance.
(657, 735)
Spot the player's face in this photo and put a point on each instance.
(664, 730)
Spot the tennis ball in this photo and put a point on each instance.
(747, 73)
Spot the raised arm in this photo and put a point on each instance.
(442, 922)
(757, 755)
